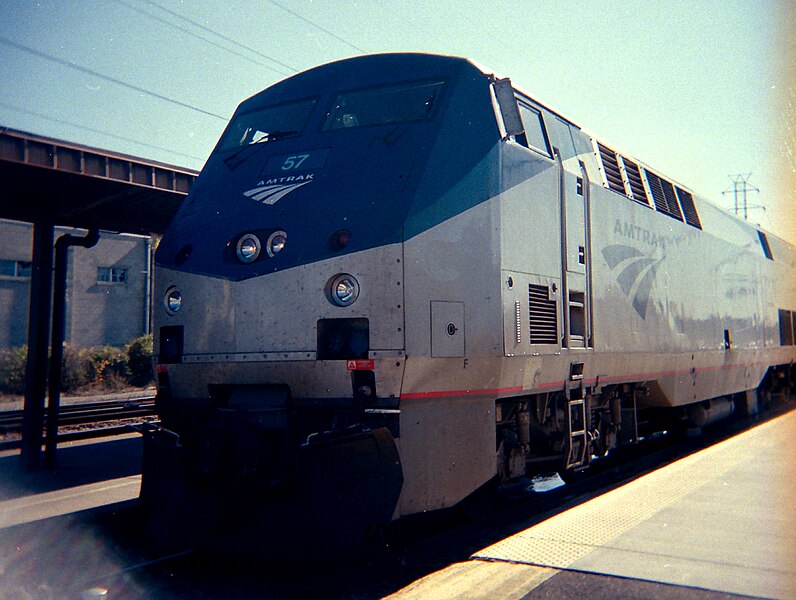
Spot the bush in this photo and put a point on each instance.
(12, 370)
(139, 361)
(76, 369)
(106, 367)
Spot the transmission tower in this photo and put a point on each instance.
(740, 188)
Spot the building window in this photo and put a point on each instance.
(17, 269)
(111, 275)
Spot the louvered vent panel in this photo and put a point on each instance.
(687, 202)
(657, 192)
(634, 178)
(543, 317)
(611, 167)
(663, 194)
(671, 200)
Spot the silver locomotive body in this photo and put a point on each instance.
(450, 283)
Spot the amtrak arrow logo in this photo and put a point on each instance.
(273, 193)
(636, 273)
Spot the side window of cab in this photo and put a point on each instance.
(535, 136)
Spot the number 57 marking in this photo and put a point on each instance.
(294, 162)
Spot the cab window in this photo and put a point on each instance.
(267, 124)
(408, 102)
(534, 136)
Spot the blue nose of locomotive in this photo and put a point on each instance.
(328, 173)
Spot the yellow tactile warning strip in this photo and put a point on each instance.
(601, 520)
(690, 523)
(476, 580)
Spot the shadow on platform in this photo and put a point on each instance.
(79, 463)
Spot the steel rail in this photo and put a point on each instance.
(71, 413)
(86, 413)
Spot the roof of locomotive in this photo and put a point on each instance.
(703, 199)
(341, 74)
(349, 72)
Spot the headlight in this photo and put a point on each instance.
(276, 241)
(173, 300)
(249, 248)
(343, 289)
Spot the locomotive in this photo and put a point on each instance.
(399, 278)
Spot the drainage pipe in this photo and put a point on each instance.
(62, 246)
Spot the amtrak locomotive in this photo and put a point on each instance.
(399, 277)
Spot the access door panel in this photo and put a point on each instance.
(447, 329)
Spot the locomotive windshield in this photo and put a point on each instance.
(267, 124)
(413, 101)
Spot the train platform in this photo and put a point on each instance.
(50, 541)
(89, 474)
(720, 523)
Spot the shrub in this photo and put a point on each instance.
(12, 370)
(81, 367)
(108, 366)
(76, 369)
(139, 361)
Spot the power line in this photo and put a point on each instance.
(326, 31)
(199, 37)
(93, 130)
(93, 73)
(223, 37)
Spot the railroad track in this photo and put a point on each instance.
(80, 421)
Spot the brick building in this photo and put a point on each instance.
(108, 288)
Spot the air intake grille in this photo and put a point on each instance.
(543, 317)
(663, 195)
(687, 202)
(634, 179)
(611, 166)
(671, 200)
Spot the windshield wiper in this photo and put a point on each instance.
(271, 136)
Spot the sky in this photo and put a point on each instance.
(696, 89)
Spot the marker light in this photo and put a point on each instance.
(276, 242)
(343, 289)
(339, 240)
(173, 300)
(183, 255)
(248, 248)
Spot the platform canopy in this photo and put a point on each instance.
(49, 183)
(47, 180)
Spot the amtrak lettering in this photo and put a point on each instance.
(288, 179)
(271, 191)
(645, 236)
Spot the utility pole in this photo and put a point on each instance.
(740, 188)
